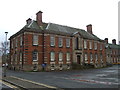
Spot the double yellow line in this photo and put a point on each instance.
(48, 86)
(9, 85)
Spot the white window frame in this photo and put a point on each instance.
(101, 47)
(52, 56)
(67, 42)
(90, 45)
(36, 56)
(21, 40)
(86, 57)
(60, 41)
(52, 41)
(96, 57)
(35, 39)
(68, 56)
(60, 56)
(95, 45)
(85, 44)
(16, 42)
(20, 56)
(101, 57)
(91, 57)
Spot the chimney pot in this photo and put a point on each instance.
(89, 28)
(28, 21)
(106, 40)
(114, 41)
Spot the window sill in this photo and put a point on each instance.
(52, 46)
(60, 46)
(35, 60)
(35, 45)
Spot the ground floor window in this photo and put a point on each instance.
(35, 56)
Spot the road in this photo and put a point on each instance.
(91, 78)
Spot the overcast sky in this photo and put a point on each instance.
(102, 14)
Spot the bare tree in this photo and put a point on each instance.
(4, 45)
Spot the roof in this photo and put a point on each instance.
(112, 46)
(56, 29)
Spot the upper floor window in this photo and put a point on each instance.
(60, 42)
(16, 42)
(86, 57)
(35, 56)
(12, 43)
(67, 42)
(90, 45)
(68, 56)
(52, 41)
(21, 40)
(35, 39)
(52, 56)
(100, 46)
(60, 56)
(76, 43)
(95, 46)
(85, 44)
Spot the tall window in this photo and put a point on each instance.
(85, 44)
(68, 56)
(16, 42)
(20, 56)
(95, 46)
(21, 40)
(101, 57)
(76, 43)
(100, 46)
(12, 43)
(60, 56)
(90, 45)
(52, 41)
(52, 56)
(60, 42)
(91, 57)
(35, 56)
(86, 57)
(96, 57)
(35, 39)
(67, 42)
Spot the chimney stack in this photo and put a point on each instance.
(114, 41)
(28, 21)
(39, 18)
(106, 40)
(89, 28)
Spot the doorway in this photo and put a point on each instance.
(78, 59)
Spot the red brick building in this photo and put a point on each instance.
(50, 46)
(112, 52)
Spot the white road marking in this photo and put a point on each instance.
(87, 80)
(48, 86)
(7, 84)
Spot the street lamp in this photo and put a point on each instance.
(5, 54)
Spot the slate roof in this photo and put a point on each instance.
(56, 29)
(112, 46)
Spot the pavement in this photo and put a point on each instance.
(91, 78)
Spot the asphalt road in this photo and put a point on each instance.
(91, 78)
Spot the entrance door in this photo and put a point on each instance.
(78, 59)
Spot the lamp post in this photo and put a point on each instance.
(5, 54)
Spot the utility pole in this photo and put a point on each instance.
(5, 54)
